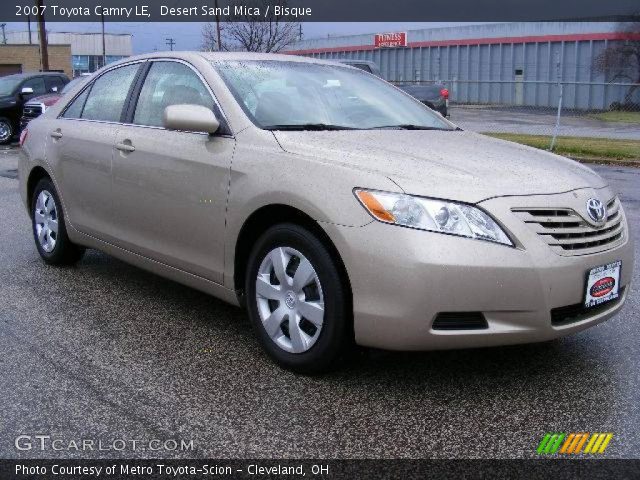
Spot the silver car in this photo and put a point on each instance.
(335, 207)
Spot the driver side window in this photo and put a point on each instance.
(169, 83)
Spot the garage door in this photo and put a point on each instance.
(9, 69)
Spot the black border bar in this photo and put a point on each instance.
(320, 469)
(322, 10)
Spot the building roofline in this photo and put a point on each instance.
(477, 41)
(72, 33)
(34, 45)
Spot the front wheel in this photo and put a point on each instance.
(6, 131)
(297, 299)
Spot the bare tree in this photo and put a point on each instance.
(620, 62)
(210, 37)
(253, 33)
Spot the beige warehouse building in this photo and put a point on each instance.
(26, 58)
(72, 52)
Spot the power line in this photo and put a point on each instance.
(170, 42)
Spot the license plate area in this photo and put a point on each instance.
(603, 284)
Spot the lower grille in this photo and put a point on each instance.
(575, 313)
(460, 321)
(568, 233)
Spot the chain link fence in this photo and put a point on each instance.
(546, 110)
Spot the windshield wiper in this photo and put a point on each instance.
(410, 126)
(308, 127)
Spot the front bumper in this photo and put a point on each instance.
(24, 121)
(403, 278)
(439, 105)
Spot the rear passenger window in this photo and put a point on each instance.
(37, 84)
(109, 93)
(74, 110)
(169, 83)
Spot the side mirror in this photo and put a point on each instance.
(192, 118)
(26, 91)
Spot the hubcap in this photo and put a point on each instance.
(290, 299)
(45, 217)
(5, 131)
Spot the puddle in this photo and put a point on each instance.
(13, 174)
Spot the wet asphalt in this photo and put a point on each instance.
(535, 121)
(105, 351)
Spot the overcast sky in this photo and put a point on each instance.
(150, 36)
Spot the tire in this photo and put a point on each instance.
(6, 131)
(320, 341)
(49, 229)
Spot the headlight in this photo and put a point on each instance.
(433, 215)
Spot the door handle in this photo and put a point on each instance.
(56, 134)
(125, 147)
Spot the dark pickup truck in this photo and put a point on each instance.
(433, 95)
(16, 90)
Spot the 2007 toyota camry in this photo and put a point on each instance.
(336, 207)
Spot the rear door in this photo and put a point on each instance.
(170, 187)
(81, 145)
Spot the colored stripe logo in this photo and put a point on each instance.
(574, 443)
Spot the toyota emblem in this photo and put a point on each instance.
(596, 210)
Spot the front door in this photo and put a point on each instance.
(170, 187)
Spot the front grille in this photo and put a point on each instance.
(32, 111)
(574, 313)
(460, 321)
(568, 233)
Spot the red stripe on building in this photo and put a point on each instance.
(482, 41)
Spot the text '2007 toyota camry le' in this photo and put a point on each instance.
(334, 206)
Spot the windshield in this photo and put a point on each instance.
(296, 95)
(8, 85)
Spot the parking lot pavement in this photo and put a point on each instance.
(105, 351)
(486, 119)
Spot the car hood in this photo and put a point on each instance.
(455, 165)
(422, 92)
(7, 100)
(47, 99)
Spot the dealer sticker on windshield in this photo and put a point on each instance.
(603, 284)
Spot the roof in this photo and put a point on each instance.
(213, 56)
(33, 74)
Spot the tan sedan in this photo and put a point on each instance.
(332, 205)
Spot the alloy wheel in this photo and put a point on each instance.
(5, 131)
(290, 299)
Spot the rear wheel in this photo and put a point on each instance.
(297, 300)
(49, 229)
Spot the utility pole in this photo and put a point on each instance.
(556, 129)
(4, 35)
(170, 43)
(104, 48)
(42, 32)
(29, 27)
(300, 33)
(218, 27)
